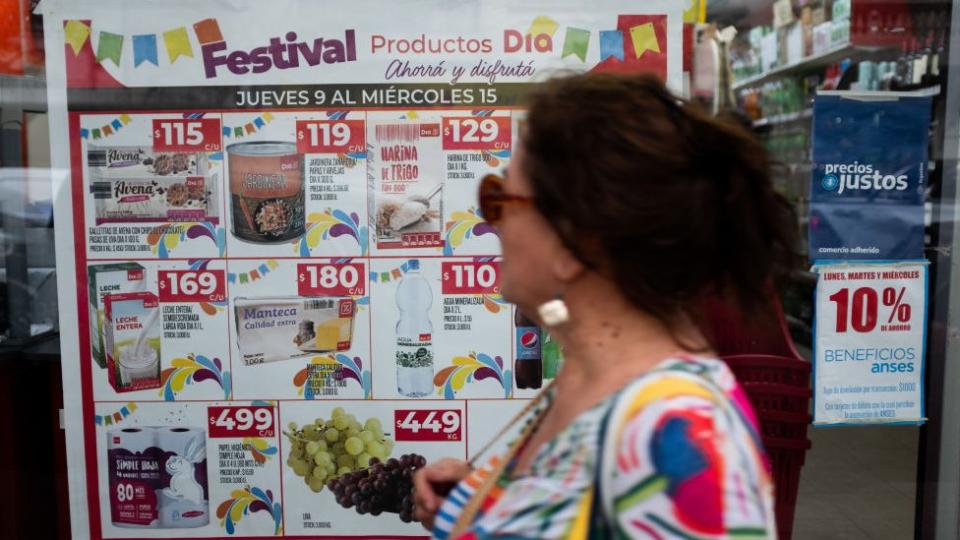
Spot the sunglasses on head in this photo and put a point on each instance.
(493, 197)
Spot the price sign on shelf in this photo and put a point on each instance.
(227, 422)
(183, 135)
(470, 278)
(331, 279)
(476, 133)
(330, 136)
(869, 342)
(427, 425)
(191, 286)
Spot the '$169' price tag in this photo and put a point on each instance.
(427, 425)
(227, 422)
(191, 286)
(331, 279)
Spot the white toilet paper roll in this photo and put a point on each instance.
(183, 492)
(133, 473)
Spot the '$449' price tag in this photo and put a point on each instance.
(191, 286)
(227, 422)
(427, 425)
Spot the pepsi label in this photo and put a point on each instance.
(528, 343)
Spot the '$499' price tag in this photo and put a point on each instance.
(427, 425)
(226, 422)
(191, 286)
(331, 279)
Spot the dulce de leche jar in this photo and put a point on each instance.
(266, 191)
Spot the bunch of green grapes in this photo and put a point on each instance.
(327, 449)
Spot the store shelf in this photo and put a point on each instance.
(783, 118)
(809, 63)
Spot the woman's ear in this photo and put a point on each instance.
(566, 267)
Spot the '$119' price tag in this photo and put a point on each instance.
(427, 425)
(228, 422)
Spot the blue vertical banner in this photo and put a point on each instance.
(869, 176)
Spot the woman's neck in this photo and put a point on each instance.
(608, 342)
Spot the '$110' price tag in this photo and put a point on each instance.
(191, 286)
(228, 422)
(427, 425)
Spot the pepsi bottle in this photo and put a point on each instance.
(529, 365)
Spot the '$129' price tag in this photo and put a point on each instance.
(331, 279)
(476, 133)
(227, 422)
(426, 425)
(191, 286)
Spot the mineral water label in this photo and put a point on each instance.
(528, 343)
(414, 353)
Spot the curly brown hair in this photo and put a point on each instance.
(668, 202)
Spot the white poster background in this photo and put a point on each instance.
(246, 25)
(869, 343)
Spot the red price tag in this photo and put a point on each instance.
(330, 136)
(470, 278)
(426, 425)
(476, 133)
(183, 135)
(227, 422)
(191, 286)
(331, 279)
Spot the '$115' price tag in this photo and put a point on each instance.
(191, 286)
(427, 425)
(186, 135)
(228, 422)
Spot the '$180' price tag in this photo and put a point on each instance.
(228, 422)
(427, 425)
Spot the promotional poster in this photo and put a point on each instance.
(272, 267)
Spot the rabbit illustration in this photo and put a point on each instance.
(183, 485)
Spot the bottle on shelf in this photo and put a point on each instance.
(529, 367)
(414, 353)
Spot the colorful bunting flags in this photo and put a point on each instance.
(576, 42)
(253, 275)
(178, 43)
(107, 129)
(611, 44)
(248, 128)
(392, 274)
(110, 45)
(644, 39)
(76, 34)
(144, 49)
(115, 417)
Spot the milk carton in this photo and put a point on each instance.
(104, 279)
(132, 340)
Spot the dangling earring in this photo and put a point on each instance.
(554, 312)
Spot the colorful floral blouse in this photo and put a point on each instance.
(689, 464)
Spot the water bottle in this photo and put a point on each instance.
(414, 334)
